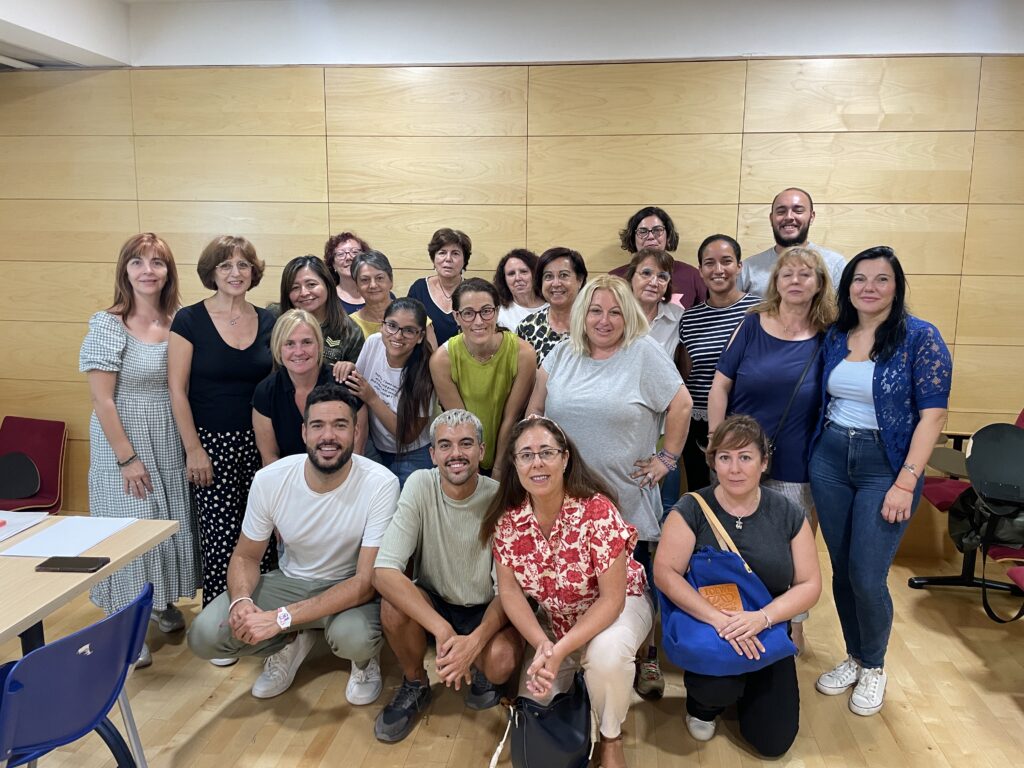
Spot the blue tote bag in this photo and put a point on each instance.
(695, 646)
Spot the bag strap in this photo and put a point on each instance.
(723, 538)
(792, 396)
(987, 541)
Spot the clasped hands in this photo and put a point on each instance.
(543, 670)
(740, 630)
(455, 656)
(251, 625)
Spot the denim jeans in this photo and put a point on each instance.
(403, 465)
(850, 475)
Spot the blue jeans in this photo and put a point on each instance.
(850, 475)
(403, 465)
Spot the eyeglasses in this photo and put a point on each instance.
(408, 331)
(547, 455)
(469, 314)
(352, 254)
(225, 267)
(647, 274)
(643, 232)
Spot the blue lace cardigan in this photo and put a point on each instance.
(917, 376)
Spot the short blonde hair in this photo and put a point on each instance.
(823, 306)
(636, 324)
(284, 327)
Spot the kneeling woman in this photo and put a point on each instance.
(559, 540)
(774, 537)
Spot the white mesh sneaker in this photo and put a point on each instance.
(279, 670)
(701, 730)
(869, 695)
(364, 685)
(838, 680)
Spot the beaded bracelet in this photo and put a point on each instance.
(667, 459)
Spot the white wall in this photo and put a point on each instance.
(274, 32)
(90, 33)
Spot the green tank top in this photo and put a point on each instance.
(485, 387)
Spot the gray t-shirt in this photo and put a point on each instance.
(757, 269)
(764, 540)
(613, 409)
(442, 536)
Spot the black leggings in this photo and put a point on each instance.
(768, 703)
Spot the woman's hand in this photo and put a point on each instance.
(360, 387)
(341, 370)
(739, 629)
(649, 472)
(896, 506)
(198, 469)
(543, 670)
(136, 478)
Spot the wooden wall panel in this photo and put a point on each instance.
(402, 231)
(280, 231)
(21, 343)
(935, 298)
(632, 170)
(76, 477)
(1001, 97)
(257, 101)
(904, 94)
(927, 238)
(426, 101)
(60, 400)
(593, 230)
(436, 171)
(972, 421)
(994, 237)
(987, 380)
(239, 168)
(65, 230)
(663, 98)
(67, 167)
(984, 318)
(86, 103)
(859, 167)
(998, 160)
(75, 291)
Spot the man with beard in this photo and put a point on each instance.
(453, 597)
(791, 216)
(330, 510)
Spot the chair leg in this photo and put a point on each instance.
(965, 578)
(130, 727)
(116, 744)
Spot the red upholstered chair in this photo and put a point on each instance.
(43, 441)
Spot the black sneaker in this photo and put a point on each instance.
(398, 718)
(483, 694)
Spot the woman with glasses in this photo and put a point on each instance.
(339, 253)
(560, 274)
(392, 376)
(652, 227)
(650, 276)
(218, 351)
(559, 540)
(513, 278)
(484, 370)
(449, 251)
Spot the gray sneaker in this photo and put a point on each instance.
(483, 694)
(169, 619)
(399, 716)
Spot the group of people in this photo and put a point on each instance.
(497, 465)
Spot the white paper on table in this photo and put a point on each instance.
(69, 537)
(16, 522)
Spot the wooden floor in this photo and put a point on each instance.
(955, 698)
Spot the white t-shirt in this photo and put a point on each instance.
(511, 316)
(321, 532)
(386, 382)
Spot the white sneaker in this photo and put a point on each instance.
(364, 685)
(869, 694)
(279, 670)
(701, 730)
(838, 680)
(223, 662)
(145, 657)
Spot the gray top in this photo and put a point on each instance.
(757, 269)
(443, 538)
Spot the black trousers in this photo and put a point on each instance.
(695, 462)
(767, 701)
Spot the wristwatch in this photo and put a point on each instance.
(284, 619)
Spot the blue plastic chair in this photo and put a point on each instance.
(58, 693)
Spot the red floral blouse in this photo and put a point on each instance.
(561, 572)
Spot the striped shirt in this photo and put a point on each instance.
(704, 331)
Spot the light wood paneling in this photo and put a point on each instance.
(994, 237)
(987, 379)
(984, 318)
(1001, 100)
(92, 103)
(927, 238)
(438, 171)
(593, 230)
(239, 168)
(403, 231)
(21, 343)
(60, 400)
(426, 101)
(257, 101)
(934, 298)
(65, 230)
(632, 170)
(72, 291)
(998, 163)
(905, 94)
(603, 99)
(67, 167)
(970, 421)
(280, 231)
(859, 167)
(76, 477)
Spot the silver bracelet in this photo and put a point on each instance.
(910, 468)
(767, 621)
